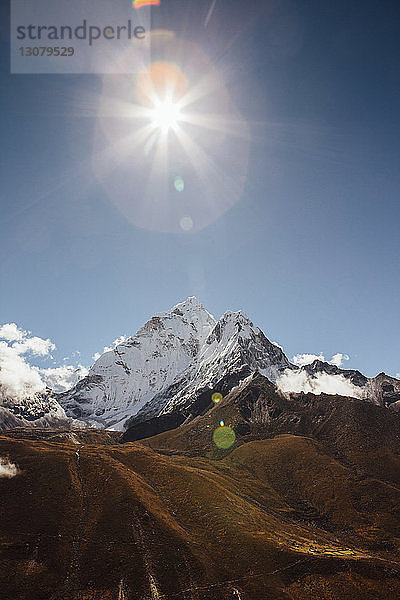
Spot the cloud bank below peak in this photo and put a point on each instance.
(19, 378)
(305, 359)
(320, 383)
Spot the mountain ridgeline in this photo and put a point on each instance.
(171, 361)
(167, 372)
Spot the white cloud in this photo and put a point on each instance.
(7, 468)
(18, 378)
(34, 344)
(63, 378)
(24, 342)
(115, 343)
(306, 359)
(299, 381)
(337, 359)
(11, 333)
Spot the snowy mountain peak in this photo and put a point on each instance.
(241, 321)
(186, 319)
(191, 309)
(120, 382)
(238, 317)
(234, 349)
(231, 327)
(191, 304)
(174, 355)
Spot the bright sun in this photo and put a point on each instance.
(165, 115)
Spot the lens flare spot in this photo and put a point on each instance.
(216, 397)
(186, 223)
(221, 424)
(224, 437)
(179, 184)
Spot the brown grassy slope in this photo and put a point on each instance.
(305, 505)
(362, 436)
(278, 518)
(74, 436)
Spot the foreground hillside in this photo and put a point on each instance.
(275, 516)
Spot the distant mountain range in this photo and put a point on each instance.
(166, 373)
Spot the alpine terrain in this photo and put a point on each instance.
(164, 373)
(196, 473)
(173, 357)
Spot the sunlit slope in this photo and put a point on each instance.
(362, 436)
(275, 518)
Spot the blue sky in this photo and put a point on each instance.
(310, 251)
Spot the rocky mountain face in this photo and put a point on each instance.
(349, 428)
(167, 372)
(319, 366)
(173, 359)
(382, 389)
(39, 410)
(121, 381)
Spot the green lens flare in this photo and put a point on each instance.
(179, 184)
(224, 437)
(216, 397)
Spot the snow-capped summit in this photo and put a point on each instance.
(190, 313)
(233, 349)
(121, 381)
(190, 306)
(235, 341)
(175, 354)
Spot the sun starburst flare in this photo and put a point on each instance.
(165, 115)
(176, 147)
